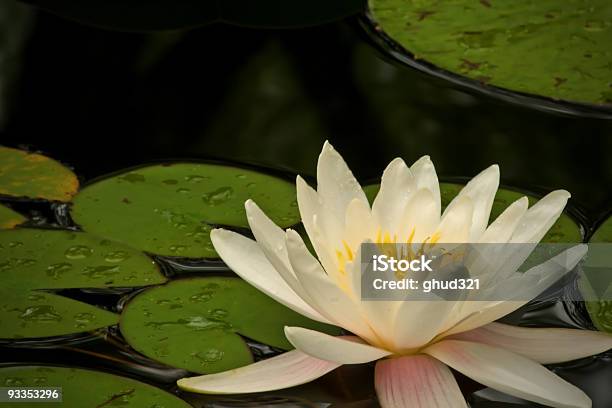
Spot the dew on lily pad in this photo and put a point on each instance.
(170, 209)
(198, 323)
(87, 388)
(10, 218)
(556, 50)
(34, 261)
(565, 230)
(32, 175)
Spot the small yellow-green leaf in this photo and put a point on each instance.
(32, 175)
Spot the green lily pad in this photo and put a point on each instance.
(600, 311)
(169, 209)
(87, 388)
(546, 48)
(34, 261)
(565, 230)
(9, 218)
(31, 175)
(194, 323)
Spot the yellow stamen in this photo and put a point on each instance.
(348, 250)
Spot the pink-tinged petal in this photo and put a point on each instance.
(510, 373)
(481, 191)
(396, 187)
(340, 349)
(417, 381)
(286, 370)
(425, 176)
(544, 345)
(336, 184)
(245, 258)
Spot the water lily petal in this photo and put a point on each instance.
(309, 203)
(328, 298)
(336, 184)
(510, 373)
(425, 176)
(456, 222)
(396, 186)
(501, 230)
(321, 229)
(536, 280)
(245, 257)
(380, 314)
(271, 240)
(417, 381)
(360, 225)
(421, 215)
(481, 191)
(540, 217)
(269, 236)
(283, 371)
(544, 345)
(341, 349)
(418, 321)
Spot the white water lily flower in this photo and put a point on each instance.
(415, 342)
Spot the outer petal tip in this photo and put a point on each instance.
(217, 233)
(424, 159)
(562, 194)
(494, 169)
(292, 236)
(300, 182)
(249, 204)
